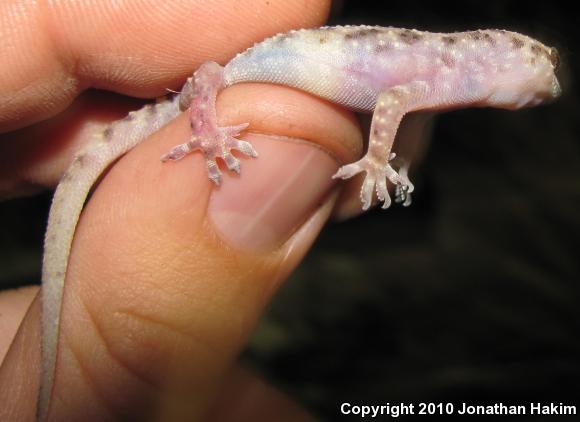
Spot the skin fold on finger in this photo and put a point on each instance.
(138, 47)
(157, 302)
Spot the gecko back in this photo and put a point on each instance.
(319, 61)
(352, 65)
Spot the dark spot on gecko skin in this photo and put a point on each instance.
(517, 43)
(475, 35)
(368, 32)
(533, 61)
(489, 39)
(322, 40)
(409, 37)
(361, 33)
(448, 39)
(80, 160)
(481, 35)
(107, 133)
(129, 117)
(535, 49)
(277, 41)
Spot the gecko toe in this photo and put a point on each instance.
(383, 193)
(234, 131)
(403, 195)
(232, 162)
(348, 171)
(213, 171)
(366, 192)
(242, 146)
(177, 153)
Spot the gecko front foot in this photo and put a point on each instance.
(219, 145)
(376, 179)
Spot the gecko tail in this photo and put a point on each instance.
(67, 204)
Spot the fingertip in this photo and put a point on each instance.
(137, 48)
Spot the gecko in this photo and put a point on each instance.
(385, 71)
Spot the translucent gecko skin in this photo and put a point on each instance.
(352, 65)
(390, 72)
(387, 71)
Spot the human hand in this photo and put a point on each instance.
(167, 275)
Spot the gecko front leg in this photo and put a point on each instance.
(391, 106)
(214, 141)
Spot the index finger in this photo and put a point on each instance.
(54, 50)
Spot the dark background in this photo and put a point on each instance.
(471, 294)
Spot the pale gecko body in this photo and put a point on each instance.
(387, 71)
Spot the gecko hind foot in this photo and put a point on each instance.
(404, 189)
(402, 195)
(219, 145)
(376, 179)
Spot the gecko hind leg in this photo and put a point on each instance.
(392, 105)
(199, 95)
